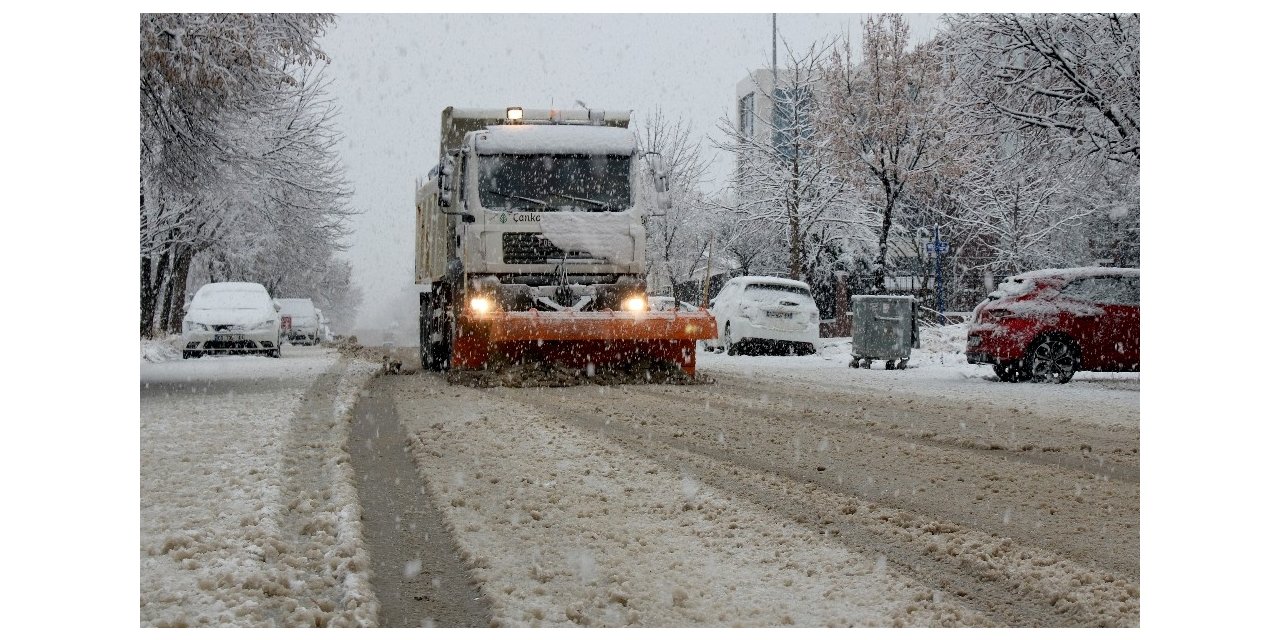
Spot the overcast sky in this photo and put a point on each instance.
(394, 73)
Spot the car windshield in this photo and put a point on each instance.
(230, 300)
(523, 182)
(772, 292)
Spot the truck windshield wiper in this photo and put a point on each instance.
(516, 197)
(579, 199)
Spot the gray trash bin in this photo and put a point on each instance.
(883, 328)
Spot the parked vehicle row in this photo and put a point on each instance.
(242, 318)
(1041, 326)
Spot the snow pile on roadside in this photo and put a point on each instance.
(248, 510)
(164, 349)
(606, 542)
(951, 338)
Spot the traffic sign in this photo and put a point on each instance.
(937, 247)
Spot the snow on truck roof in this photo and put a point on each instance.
(555, 139)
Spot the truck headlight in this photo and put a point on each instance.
(635, 304)
(481, 305)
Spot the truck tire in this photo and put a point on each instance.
(436, 330)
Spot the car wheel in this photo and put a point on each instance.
(1051, 359)
(729, 347)
(274, 353)
(902, 364)
(888, 365)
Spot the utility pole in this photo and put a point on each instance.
(937, 249)
(775, 52)
(706, 280)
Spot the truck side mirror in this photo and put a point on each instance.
(444, 180)
(661, 178)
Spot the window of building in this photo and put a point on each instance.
(747, 115)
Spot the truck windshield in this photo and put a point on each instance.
(511, 182)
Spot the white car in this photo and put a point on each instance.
(231, 317)
(302, 323)
(762, 311)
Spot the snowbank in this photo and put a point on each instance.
(248, 511)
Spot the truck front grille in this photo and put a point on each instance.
(533, 248)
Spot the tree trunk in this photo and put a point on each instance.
(178, 290)
(147, 306)
(879, 271)
(793, 214)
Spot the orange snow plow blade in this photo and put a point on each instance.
(581, 339)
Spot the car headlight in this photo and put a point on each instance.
(265, 324)
(194, 326)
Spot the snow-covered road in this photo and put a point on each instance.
(793, 491)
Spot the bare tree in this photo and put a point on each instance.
(881, 122)
(677, 237)
(237, 149)
(1076, 76)
(783, 183)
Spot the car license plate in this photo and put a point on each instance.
(786, 315)
(228, 337)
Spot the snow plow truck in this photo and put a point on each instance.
(530, 246)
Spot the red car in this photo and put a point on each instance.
(1047, 325)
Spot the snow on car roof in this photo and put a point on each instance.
(1022, 282)
(232, 286)
(295, 303)
(577, 139)
(769, 280)
(1073, 273)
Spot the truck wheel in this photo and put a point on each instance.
(436, 331)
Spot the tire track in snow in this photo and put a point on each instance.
(918, 425)
(1017, 584)
(419, 577)
(563, 526)
(973, 424)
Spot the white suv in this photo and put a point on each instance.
(755, 311)
(231, 317)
